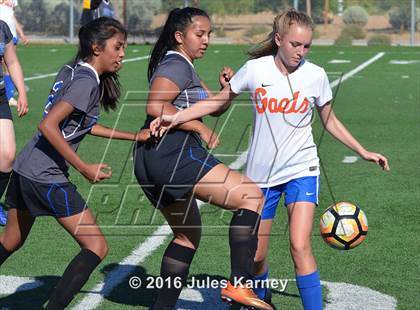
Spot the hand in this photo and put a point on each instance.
(210, 137)
(143, 135)
(225, 75)
(377, 158)
(22, 106)
(24, 39)
(162, 124)
(96, 172)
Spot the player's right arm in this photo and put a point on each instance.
(50, 129)
(15, 69)
(21, 34)
(161, 95)
(202, 108)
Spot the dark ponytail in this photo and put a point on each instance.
(98, 32)
(178, 20)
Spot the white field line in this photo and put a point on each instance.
(146, 248)
(43, 76)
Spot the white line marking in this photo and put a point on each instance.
(352, 297)
(43, 76)
(116, 276)
(403, 62)
(350, 159)
(357, 69)
(339, 61)
(12, 284)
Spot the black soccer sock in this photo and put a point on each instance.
(73, 279)
(243, 241)
(4, 180)
(4, 254)
(175, 266)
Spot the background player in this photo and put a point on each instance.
(7, 14)
(284, 89)
(177, 169)
(7, 133)
(93, 9)
(39, 184)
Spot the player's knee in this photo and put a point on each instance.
(300, 248)
(189, 240)
(253, 199)
(100, 248)
(13, 244)
(7, 157)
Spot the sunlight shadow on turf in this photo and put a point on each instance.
(123, 293)
(30, 299)
(198, 295)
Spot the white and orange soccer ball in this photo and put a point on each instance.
(343, 226)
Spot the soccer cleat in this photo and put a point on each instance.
(3, 216)
(243, 296)
(12, 102)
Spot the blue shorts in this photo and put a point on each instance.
(15, 40)
(300, 189)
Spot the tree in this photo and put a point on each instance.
(32, 14)
(58, 20)
(140, 14)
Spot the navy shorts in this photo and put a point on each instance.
(167, 170)
(55, 199)
(5, 112)
(305, 189)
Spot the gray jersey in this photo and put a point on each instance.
(5, 37)
(179, 70)
(78, 86)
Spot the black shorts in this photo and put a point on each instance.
(5, 112)
(169, 169)
(56, 199)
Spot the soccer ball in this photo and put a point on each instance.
(343, 226)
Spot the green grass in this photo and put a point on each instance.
(380, 107)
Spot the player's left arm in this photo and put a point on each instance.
(105, 132)
(15, 70)
(336, 128)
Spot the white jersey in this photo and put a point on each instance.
(282, 146)
(7, 14)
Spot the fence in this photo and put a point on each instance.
(237, 21)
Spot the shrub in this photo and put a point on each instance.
(354, 31)
(344, 40)
(355, 15)
(256, 30)
(400, 18)
(379, 39)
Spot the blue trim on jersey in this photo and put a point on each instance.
(3, 216)
(199, 160)
(305, 189)
(65, 198)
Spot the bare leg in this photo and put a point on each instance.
(19, 224)
(7, 152)
(301, 215)
(260, 261)
(229, 189)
